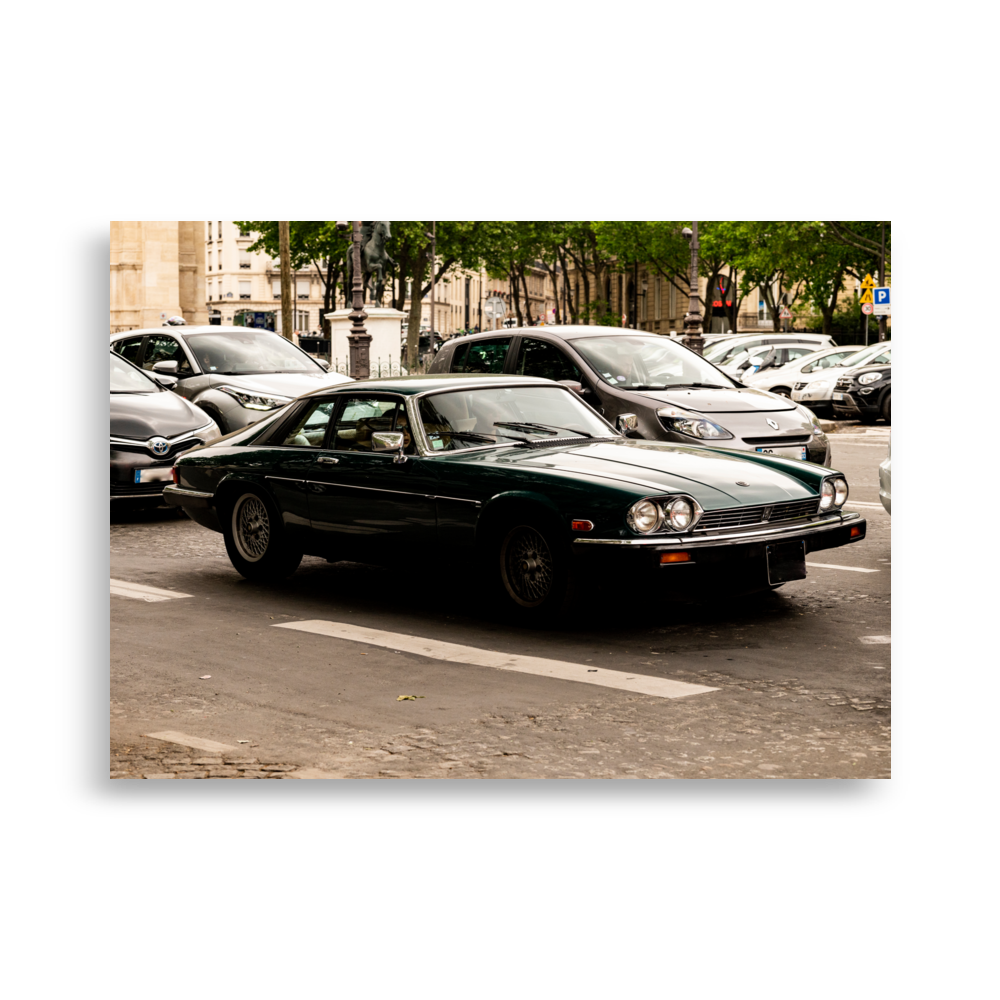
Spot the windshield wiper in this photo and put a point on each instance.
(517, 425)
(697, 385)
(473, 436)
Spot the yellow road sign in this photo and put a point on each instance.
(869, 282)
(866, 295)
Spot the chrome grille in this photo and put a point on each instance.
(844, 382)
(799, 386)
(741, 517)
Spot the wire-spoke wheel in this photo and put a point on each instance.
(255, 539)
(251, 527)
(527, 566)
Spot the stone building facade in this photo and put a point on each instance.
(157, 271)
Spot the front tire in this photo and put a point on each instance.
(532, 572)
(887, 408)
(255, 539)
(782, 391)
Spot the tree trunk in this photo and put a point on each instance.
(527, 295)
(512, 280)
(571, 306)
(413, 325)
(554, 275)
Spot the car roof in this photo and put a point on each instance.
(185, 330)
(412, 385)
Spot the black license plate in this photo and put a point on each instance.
(786, 561)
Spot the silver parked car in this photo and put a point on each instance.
(780, 376)
(885, 481)
(235, 374)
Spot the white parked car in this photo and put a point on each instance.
(815, 389)
(781, 376)
(733, 354)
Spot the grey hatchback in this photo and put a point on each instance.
(675, 393)
(235, 374)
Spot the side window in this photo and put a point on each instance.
(163, 348)
(794, 353)
(545, 361)
(882, 359)
(309, 430)
(485, 357)
(458, 359)
(360, 417)
(130, 349)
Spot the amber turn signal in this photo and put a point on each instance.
(674, 557)
(856, 531)
(174, 476)
(582, 525)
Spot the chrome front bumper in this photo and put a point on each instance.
(800, 529)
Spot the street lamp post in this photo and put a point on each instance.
(692, 320)
(359, 339)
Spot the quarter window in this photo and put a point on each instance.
(545, 361)
(309, 431)
(130, 349)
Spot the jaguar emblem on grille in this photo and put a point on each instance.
(766, 514)
(772, 423)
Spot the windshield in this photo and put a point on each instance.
(717, 353)
(470, 419)
(246, 352)
(125, 378)
(647, 362)
(853, 360)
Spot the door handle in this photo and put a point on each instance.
(327, 460)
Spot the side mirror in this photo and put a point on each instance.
(390, 441)
(167, 381)
(323, 363)
(166, 367)
(576, 387)
(626, 422)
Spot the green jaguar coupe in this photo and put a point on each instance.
(517, 475)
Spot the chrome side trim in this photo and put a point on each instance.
(182, 491)
(370, 489)
(812, 528)
(478, 503)
(285, 479)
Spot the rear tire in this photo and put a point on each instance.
(886, 408)
(255, 538)
(782, 391)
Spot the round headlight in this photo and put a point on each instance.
(840, 492)
(869, 377)
(644, 516)
(826, 495)
(680, 513)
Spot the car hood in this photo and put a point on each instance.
(282, 383)
(145, 415)
(720, 400)
(709, 475)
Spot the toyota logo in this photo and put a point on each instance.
(158, 445)
(772, 423)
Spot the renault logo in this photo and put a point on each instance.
(158, 445)
(772, 423)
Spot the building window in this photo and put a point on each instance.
(244, 289)
(220, 231)
(302, 288)
(657, 300)
(219, 258)
(276, 287)
(672, 301)
(210, 231)
(245, 260)
(302, 320)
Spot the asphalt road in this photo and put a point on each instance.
(799, 678)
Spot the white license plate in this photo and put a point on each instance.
(799, 452)
(153, 476)
(838, 395)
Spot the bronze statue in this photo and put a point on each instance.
(374, 259)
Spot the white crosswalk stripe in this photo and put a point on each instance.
(140, 592)
(659, 687)
(853, 569)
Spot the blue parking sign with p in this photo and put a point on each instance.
(882, 296)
